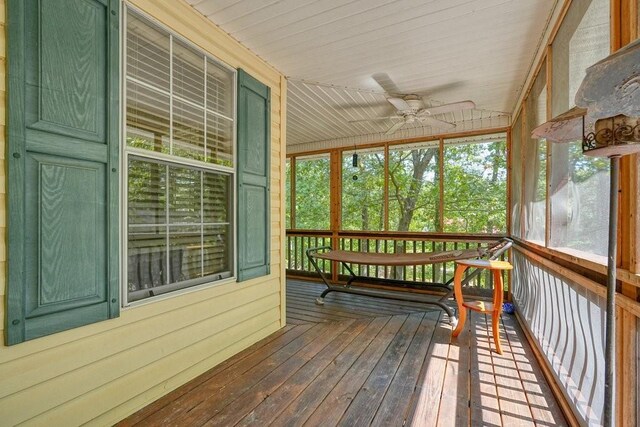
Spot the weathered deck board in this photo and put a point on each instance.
(359, 361)
(301, 306)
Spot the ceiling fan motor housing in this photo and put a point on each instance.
(414, 102)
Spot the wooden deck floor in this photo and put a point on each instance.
(359, 361)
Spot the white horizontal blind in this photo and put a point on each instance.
(179, 97)
(180, 142)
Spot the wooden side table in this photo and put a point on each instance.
(495, 308)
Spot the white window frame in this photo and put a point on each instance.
(126, 152)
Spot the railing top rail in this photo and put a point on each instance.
(400, 235)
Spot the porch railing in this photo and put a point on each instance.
(298, 241)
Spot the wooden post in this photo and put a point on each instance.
(509, 213)
(441, 184)
(624, 30)
(547, 218)
(292, 219)
(523, 118)
(385, 196)
(335, 174)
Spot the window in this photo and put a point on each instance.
(516, 176)
(414, 187)
(312, 192)
(363, 190)
(578, 185)
(535, 159)
(475, 185)
(180, 163)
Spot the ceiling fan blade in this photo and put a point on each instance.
(386, 83)
(448, 108)
(441, 124)
(353, 106)
(373, 119)
(395, 127)
(399, 103)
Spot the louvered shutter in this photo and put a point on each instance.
(253, 177)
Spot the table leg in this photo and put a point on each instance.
(497, 308)
(457, 289)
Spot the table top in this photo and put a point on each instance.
(488, 264)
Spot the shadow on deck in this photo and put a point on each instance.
(360, 361)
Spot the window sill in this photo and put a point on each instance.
(179, 292)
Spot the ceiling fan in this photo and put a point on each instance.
(410, 108)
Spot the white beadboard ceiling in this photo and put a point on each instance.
(451, 49)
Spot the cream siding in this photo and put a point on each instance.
(103, 372)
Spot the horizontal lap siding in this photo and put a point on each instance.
(105, 371)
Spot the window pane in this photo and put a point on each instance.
(188, 73)
(516, 177)
(414, 190)
(579, 201)
(147, 192)
(363, 191)
(475, 180)
(184, 195)
(217, 250)
(147, 263)
(219, 140)
(579, 185)
(535, 157)
(190, 116)
(147, 119)
(196, 242)
(219, 89)
(217, 197)
(147, 52)
(582, 40)
(312, 192)
(188, 131)
(185, 253)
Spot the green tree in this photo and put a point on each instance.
(313, 192)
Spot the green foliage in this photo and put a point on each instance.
(363, 192)
(579, 208)
(414, 190)
(475, 180)
(312, 193)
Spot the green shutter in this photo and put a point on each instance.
(62, 165)
(254, 121)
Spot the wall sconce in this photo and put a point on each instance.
(606, 120)
(608, 137)
(612, 136)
